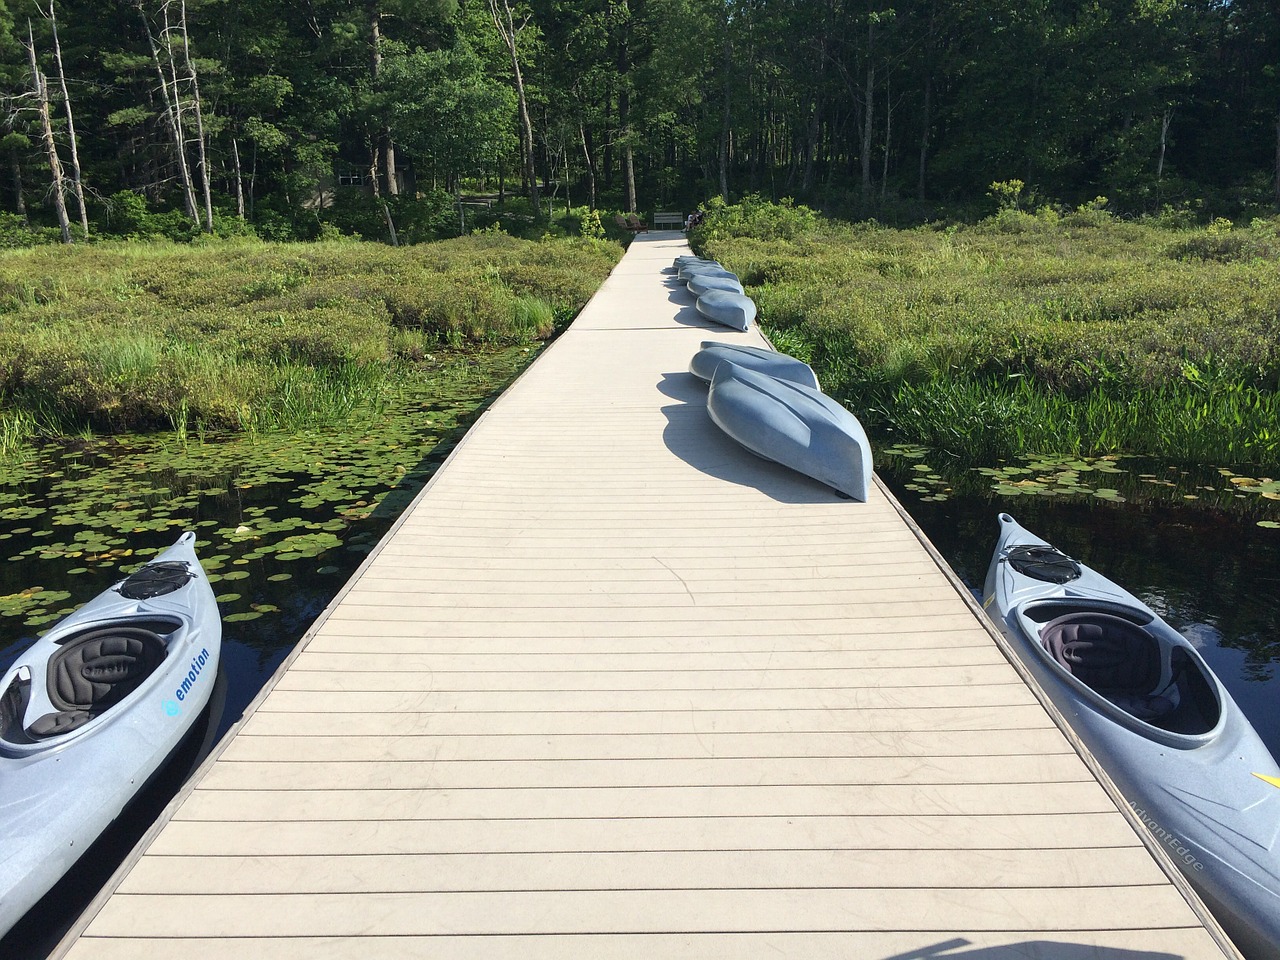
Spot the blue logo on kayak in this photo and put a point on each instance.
(171, 709)
(193, 674)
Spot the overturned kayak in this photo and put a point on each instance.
(710, 269)
(760, 359)
(796, 426)
(700, 283)
(734, 310)
(92, 710)
(686, 258)
(1158, 720)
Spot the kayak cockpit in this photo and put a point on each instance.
(1115, 653)
(89, 672)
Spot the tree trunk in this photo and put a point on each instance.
(172, 114)
(385, 145)
(622, 68)
(504, 21)
(19, 204)
(726, 115)
(195, 93)
(235, 156)
(1164, 140)
(888, 130)
(590, 165)
(868, 119)
(77, 186)
(41, 89)
(924, 135)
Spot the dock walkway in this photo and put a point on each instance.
(613, 688)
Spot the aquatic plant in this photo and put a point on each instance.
(1081, 333)
(254, 337)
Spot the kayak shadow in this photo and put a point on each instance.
(948, 949)
(692, 436)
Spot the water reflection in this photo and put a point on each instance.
(1211, 572)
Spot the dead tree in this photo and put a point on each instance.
(76, 183)
(196, 110)
(40, 88)
(173, 116)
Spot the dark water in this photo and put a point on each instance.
(1213, 574)
(283, 522)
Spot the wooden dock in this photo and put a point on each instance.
(614, 688)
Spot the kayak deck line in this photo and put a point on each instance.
(613, 687)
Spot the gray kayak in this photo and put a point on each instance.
(685, 258)
(703, 269)
(700, 283)
(1158, 720)
(760, 359)
(734, 310)
(796, 426)
(92, 710)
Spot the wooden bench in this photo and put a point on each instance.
(631, 222)
(668, 220)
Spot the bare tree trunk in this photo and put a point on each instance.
(590, 164)
(391, 226)
(41, 89)
(504, 21)
(173, 116)
(19, 204)
(1164, 140)
(726, 115)
(71, 125)
(888, 130)
(195, 93)
(868, 119)
(385, 145)
(924, 135)
(235, 155)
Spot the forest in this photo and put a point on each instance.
(297, 119)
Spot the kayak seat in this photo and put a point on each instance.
(93, 672)
(1112, 656)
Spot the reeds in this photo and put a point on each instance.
(120, 337)
(1059, 331)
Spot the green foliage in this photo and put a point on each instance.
(1079, 333)
(753, 217)
(250, 336)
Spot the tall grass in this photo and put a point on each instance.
(252, 336)
(1058, 331)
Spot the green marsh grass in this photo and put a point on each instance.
(249, 336)
(1066, 331)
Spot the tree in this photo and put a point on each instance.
(450, 112)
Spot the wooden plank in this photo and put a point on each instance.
(684, 661)
(960, 943)
(632, 911)
(581, 681)
(272, 718)
(873, 800)
(642, 774)
(250, 746)
(940, 833)
(325, 873)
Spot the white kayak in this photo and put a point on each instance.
(760, 359)
(1159, 721)
(92, 710)
(793, 425)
